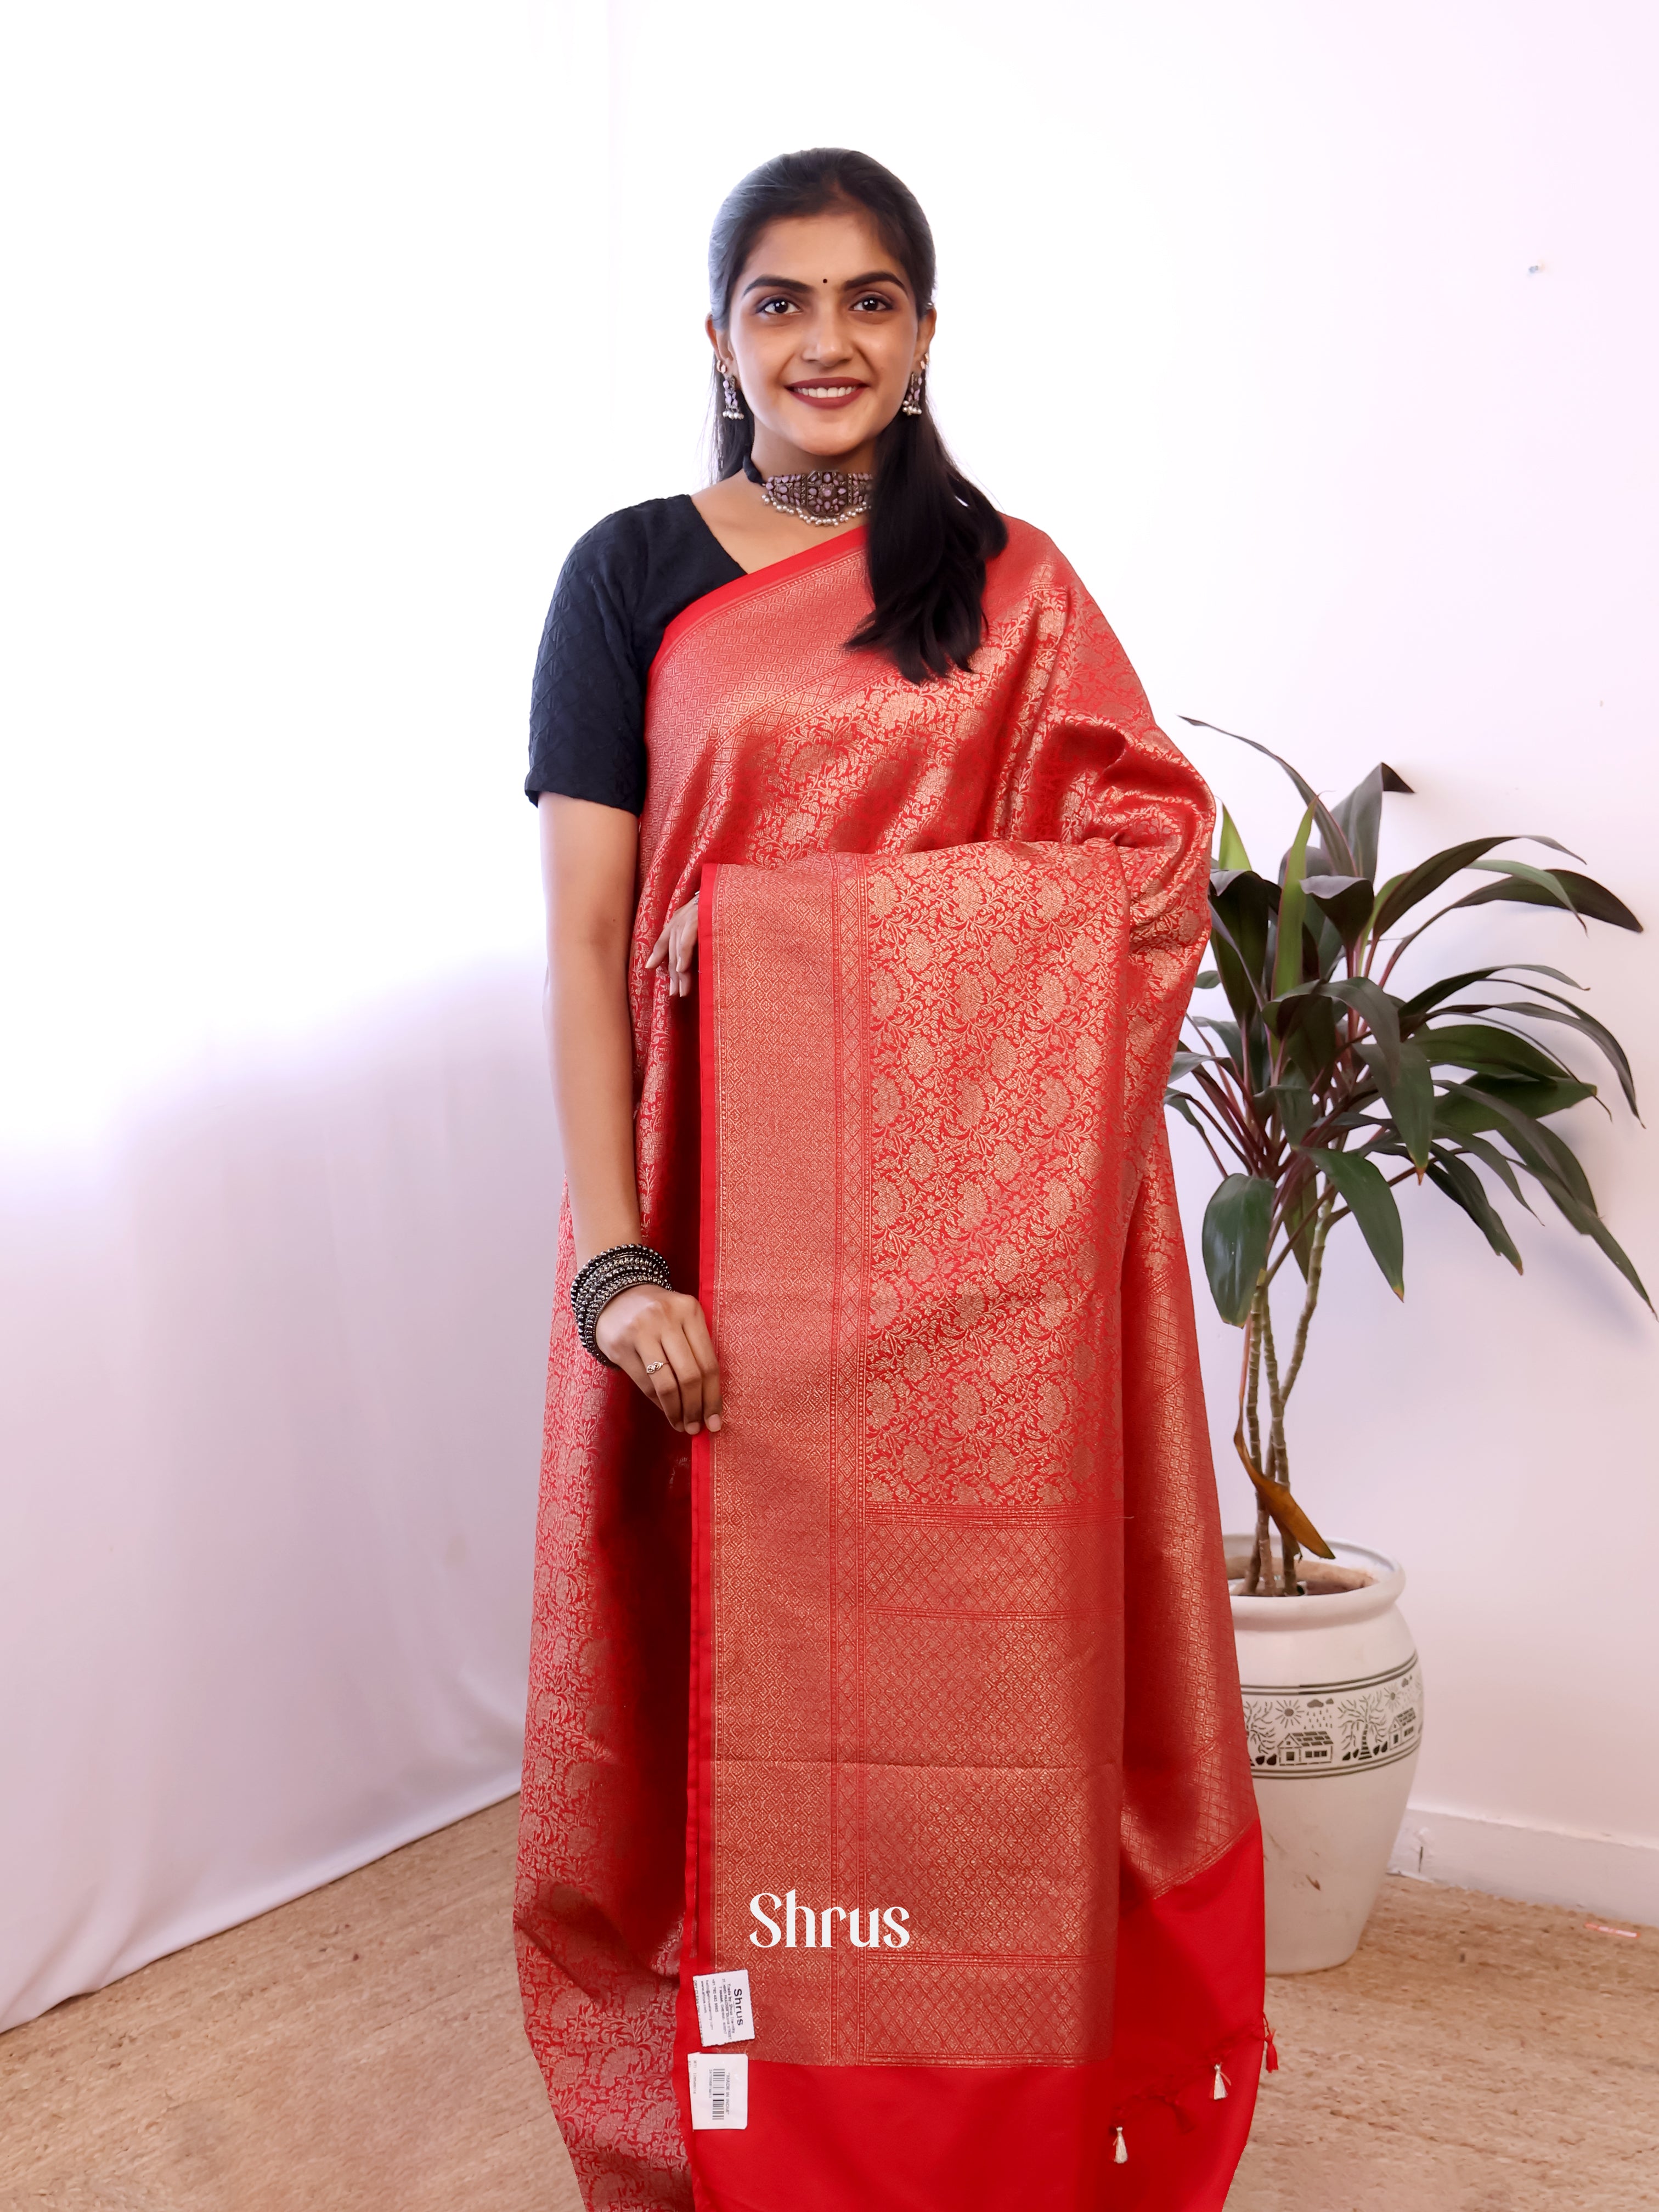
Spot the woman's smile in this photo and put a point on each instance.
(827, 394)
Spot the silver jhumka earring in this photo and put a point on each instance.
(914, 390)
(730, 412)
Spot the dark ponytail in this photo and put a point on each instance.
(931, 531)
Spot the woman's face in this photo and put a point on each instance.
(823, 339)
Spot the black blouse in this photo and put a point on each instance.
(621, 586)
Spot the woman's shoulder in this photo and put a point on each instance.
(632, 538)
(1030, 561)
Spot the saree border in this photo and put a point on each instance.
(754, 580)
(700, 1825)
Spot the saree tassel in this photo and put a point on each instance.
(1220, 2088)
(1121, 2154)
(1270, 2049)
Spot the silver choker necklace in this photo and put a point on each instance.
(821, 497)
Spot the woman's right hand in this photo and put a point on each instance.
(664, 1332)
(676, 950)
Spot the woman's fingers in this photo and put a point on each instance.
(660, 1340)
(682, 944)
(702, 1351)
(675, 950)
(662, 1382)
(688, 1380)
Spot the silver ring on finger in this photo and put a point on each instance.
(654, 1364)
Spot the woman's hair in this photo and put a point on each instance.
(931, 531)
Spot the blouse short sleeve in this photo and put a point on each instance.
(621, 586)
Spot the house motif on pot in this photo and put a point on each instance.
(1307, 1747)
(1334, 1728)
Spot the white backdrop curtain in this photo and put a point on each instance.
(1321, 341)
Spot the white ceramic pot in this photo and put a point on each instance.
(1334, 1710)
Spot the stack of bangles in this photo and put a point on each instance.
(606, 1276)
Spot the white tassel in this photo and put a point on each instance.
(1120, 2155)
(1220, 2088)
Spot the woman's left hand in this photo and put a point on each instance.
(676, 951)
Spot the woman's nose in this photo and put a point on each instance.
(826, 341)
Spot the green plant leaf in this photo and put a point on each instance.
(1378, 1009)
(1235, 981)
(1237, 1223)
(1533, 1097)
(1292, 905)
(1489, 1156)
(1205, 982)
(1359, 816)
(1319, 931)
(1483, 1046)
(1346, 902)
(1374, 1006)
(1464, 1187)
(1293, 1102)
(1585, 896)
(1359, 1184)
(1230, 851)
(1523, 872)
(1330, 832)
(1435, 995)
(1241, 905)
(1574, 1017)
(1401, 893)
(1475, 1107)
(1227, 1033)
(1588, 1222)
(1299, 1206)
(1408, 1093)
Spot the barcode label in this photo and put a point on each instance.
(720, 2088)
(724, 2013)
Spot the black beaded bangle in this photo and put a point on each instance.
(606, 1276)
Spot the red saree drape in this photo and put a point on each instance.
(949, 1583)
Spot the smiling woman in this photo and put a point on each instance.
(821, 358)
(908, 1503)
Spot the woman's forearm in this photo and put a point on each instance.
(589, 856)
(590, 1047)
(657, 1336)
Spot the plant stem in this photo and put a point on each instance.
(1261, 1558)
(1252, 1386)
(1315, 1267)
(1279, 1463)
(1278, 1458)
(1261, 1550)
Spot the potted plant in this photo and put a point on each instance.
(1315, 1090)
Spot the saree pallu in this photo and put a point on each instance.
(965, 1787)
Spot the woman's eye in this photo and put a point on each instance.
(874, 300)
(779, 305)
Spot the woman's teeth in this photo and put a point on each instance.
(826, 390)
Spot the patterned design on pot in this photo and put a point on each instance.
(1318, 1729)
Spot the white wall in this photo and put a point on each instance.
(345, 320)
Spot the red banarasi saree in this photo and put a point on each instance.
(965, 1786)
